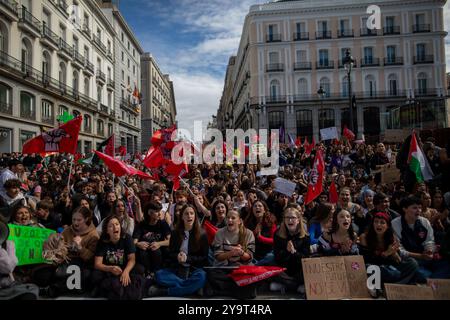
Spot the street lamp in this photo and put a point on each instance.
(348, 65)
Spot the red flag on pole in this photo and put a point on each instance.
(298, 142)
(210, 230)
(348, 134)
(315, 185)
(309, 147)
(135, 172)
(154, 158)
(63, 139)
(245, 275)
(332, 194)
(116, 166)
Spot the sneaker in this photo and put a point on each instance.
(155, 291)
(276, 286)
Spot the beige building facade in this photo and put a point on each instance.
(291, 49)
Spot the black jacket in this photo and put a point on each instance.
(283, 258)
(196, 258)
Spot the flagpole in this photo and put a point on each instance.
(70, 173)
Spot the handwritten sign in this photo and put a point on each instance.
(284, 186)
(390, 174)
(329, 133)
(329, 278)
(408, 292)
(440, 287)
(28, 242)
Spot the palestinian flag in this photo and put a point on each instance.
(106, 147)
(86, 161)
(417, 161)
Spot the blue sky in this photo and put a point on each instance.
(192, 41)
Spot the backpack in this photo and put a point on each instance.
(115, 291)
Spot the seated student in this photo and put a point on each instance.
(188, 255)
(115, 276)
(10, 289)
(181, 198)
(341, 240)
(119, 209)
(320, 222)
(11, 197)
(219, 211)
(151, 238)
(46, 217)
(291, 244)
(417, 241)
(380, 247)
(263, 225)
(357, 213)
(233, 245)
(22, 217)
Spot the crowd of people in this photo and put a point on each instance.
(135, 238)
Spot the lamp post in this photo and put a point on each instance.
(321, 94)
(348, 65)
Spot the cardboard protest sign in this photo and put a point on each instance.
(396, 135)
(328, 278)
(440, 287)
(28, 242)
(284, 186)
(390, 174)
(408, 292)
(259, 149)
(329, 133)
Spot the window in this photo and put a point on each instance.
(100, 128)
(46, 66)
(273, 30)
(99, 94)
(27, 106)
(323, 57)
(345, 86)
(25, 136)
(129, 82)
(109, 99)
(134, 53)
(326, 118)
(47, 111)
(86, 53)
(323, 26)
(75, 82)
(301, 56)
(123, 56)
(128, 45)
(75, 43)
(63, 109)
(300, 27)
(422, 83)
(392, 80)
(62, 74)
(76, 113)
(99, 64)
(86, 20)
(27, 54)
(421, 51)
(110, 129)
(274, 89)
(128, 63)
(122, 37)
(123, 76)
(62, 32)
(4, 36)
(134, 70)
(302, 87)
(390, 23)
(87, 123)
(325, 84)
(108, 72)
(99, 34)
(371, 88)
(5, 96)
(304, 123)
(109, 46)
(274, 57)
(86, 86)
(420, 19)
(391, 54)
(276, 120)
(87, 147)
(368, 55)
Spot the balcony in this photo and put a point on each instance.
(124, 103)
(341, 64)
(109, 54)
(99, 43)
(78, 60)
(276, 37)
(65, 50)
(418, 28)
(5, 108)
(111, 83)
(29, 23)
(299, 36)
(86, 30)
(325, 64)
(49, 38)
(87, 129)
(16, 69)
(393, 61)
(100, 76)
(323, 35)
(104, 109)
(9, 9)
(391, 30)
(302, 66)
(62, 5)
(27, 114)
(276, 99)
(422, 59)
(425, 92)
(48, 120)
(346, 33)
(89, 68)
(275, 67)
(370, 62)
(368, 32)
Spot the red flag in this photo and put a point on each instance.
(210, 230)
(116, 166)
(332, 194)
(245, 275)
(306, 143)
(348, 134)
(315, 185)
(122, 151)
(298, 142)
(135, 172)
(63, 139)
(109, 148)
(309, 147)
(154, 158)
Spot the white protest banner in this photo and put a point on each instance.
(284, 186)
(329, 133)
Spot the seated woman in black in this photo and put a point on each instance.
(151, 238)
(114, 262)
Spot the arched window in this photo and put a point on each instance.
(325, 84)
(47, 112)
(75, 81)
(27, 54)
(422, 84)
(63, 109)
(87, 123)
(274, 89)
(46, 66)
(304, 123)
(326, 118)
(4, 38)
(393, 85)
(100, 128)
(5, 99)
(302, 87)
(86, 86)
(371, 86)
(62, 76)
(76, 113)
(27, 106)
(344, 86)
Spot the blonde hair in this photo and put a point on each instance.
(242, 241)
(301, 228)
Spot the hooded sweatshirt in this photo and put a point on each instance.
(89, 241)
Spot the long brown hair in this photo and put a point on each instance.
(301, 228)
(268, 220)
(196, 228)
